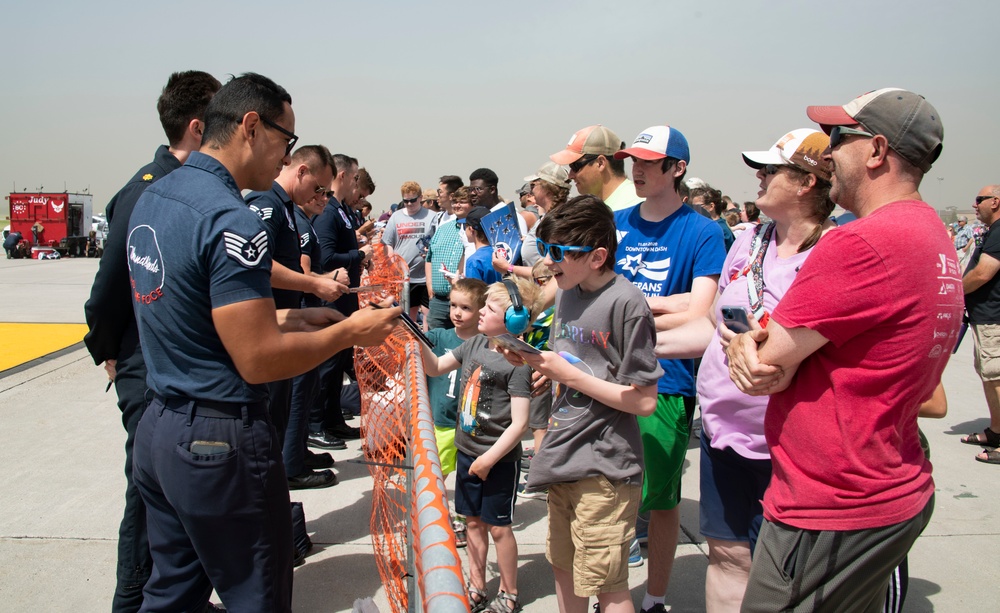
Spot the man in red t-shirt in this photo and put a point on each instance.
(856, 345)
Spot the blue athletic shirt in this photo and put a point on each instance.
(663, 258)
(194, 246)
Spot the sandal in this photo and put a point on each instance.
(989, 438)
(461, 534)
(500, 605)
(476, 604)
(992, 456)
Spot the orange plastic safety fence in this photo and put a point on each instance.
(395, 421)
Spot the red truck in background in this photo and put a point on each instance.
(47, 221)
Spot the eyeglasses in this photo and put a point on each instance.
(556, 253)
(477, 189)
(837, 134)
(411, 200)
(430, 202)
(772, 169)
(329, 194)
(292, 139)
(981, 199)
(582, 163)
(540, 280)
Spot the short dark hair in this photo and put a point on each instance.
(316, 157)
(678, 181)
(585, 221)
(185, 97)
(342, 162)
(451, 182)
(617, 167)
(712, 196)
(247, 92)
(753, 213)
(485, 175)
(365, 181)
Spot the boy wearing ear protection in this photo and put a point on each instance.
(492, 418)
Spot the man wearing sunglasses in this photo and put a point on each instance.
(855, 346)
(302, 181)
(336, 229)
(207, 460)
(982, 301)
(409, 232)
(594, 169)
(665, 247)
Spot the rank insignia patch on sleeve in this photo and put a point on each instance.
(247, 252)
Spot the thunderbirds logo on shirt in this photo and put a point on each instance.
(264, 213)
(246, 251)
(145, 265)
(303, 240)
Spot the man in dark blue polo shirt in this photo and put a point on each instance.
(305, 179)
(336, 234)
(206, 460)
(113, 338)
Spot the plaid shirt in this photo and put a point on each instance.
(446, 248)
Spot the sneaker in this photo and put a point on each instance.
(642, 528)
(634, 555)
(526, 457)
(325, 441)
(533, 494)
(656, 608)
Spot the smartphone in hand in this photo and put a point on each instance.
(736, 319)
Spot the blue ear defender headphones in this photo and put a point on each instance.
(517, 318)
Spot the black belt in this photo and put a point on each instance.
(212, 408)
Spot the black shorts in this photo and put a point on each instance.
(418, 294)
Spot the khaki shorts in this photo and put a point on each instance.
(591, 524)
(987, 337)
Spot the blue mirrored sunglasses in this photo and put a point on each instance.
(556, 253)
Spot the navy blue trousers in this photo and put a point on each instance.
(218, 521)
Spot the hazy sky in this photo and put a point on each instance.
(418, 90)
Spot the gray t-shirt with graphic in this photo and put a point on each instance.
(409, 236)
(610, 334)
(488, 383)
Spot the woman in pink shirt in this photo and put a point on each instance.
(761, 265)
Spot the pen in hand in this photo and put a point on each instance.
(108, 388)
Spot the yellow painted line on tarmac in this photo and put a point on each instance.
(20, 343)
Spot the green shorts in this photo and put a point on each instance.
(445, 438)
(665, 437)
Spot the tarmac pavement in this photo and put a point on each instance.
(61, 448)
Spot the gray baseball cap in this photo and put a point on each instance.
(911, 125)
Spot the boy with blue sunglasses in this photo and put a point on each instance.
(602, 338)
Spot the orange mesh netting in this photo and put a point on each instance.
(398, 434)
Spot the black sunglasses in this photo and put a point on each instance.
(981, 199)
(292, 139)
(837, 134)
(411, 200)
(582, 163)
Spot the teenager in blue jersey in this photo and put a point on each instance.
(665, 248)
